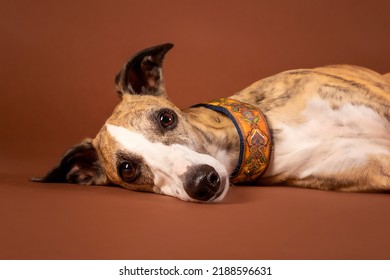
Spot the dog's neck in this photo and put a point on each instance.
(217, 134)
(236, 134)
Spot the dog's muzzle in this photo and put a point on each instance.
(203, 183)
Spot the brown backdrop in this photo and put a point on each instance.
(58, 61)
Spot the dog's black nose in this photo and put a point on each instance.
(202, 182)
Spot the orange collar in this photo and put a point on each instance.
(255, 138)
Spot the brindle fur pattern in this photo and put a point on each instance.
(330, 129)
(284, 96)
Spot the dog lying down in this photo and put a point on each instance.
(325, 128)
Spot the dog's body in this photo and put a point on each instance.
(330, 129)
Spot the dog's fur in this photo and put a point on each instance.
(330, 129)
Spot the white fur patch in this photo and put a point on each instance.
(329, 141)
(223, 157)
(167, 162)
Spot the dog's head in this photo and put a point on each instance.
(146, 144)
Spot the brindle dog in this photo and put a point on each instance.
(329, 129)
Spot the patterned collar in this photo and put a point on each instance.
(255, 138)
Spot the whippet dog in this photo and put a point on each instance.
(324, 128)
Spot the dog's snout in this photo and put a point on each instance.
(202, 182)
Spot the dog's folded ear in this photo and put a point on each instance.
(142, 74)
(79, 165)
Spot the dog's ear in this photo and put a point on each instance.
(142, 74)
(79, 165)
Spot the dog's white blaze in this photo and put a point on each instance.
(329, 141)
(167, 162)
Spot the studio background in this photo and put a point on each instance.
(58, 60)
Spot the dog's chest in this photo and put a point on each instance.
(327, 140)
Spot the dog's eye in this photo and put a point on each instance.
(128, 171)
(167, 119)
